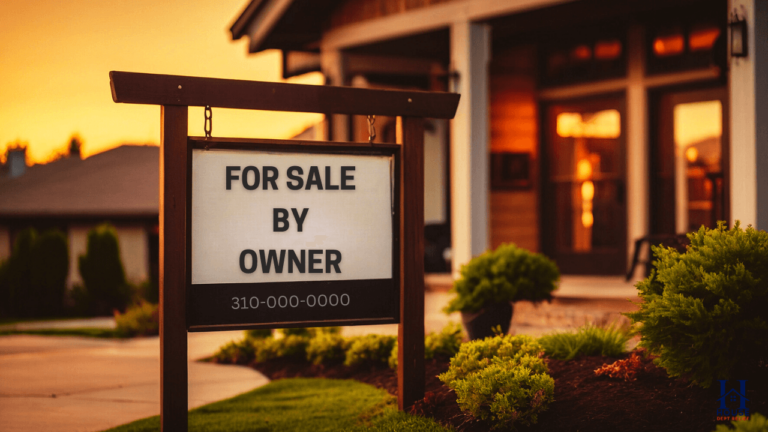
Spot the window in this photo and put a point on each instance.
(688, 46)
(583, 60)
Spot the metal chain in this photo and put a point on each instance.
(208, 121)
(371, 128)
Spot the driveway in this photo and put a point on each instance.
(80, 384)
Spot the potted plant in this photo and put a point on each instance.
(491, 282)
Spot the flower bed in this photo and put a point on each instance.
(583, 401)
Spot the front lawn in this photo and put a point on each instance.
(300, 404)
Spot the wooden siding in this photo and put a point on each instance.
(514, 128)
(354, 11)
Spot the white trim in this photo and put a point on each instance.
(580, 90)
(621, 84)
(264, 22)
(426, 19)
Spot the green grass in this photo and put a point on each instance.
(587, 340)
(85, 332)
(300, 404)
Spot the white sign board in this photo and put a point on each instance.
(261, 216)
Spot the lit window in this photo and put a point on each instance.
(607, 50)
(581, 53)
(602, 124)
(669, 45)
(703, 39)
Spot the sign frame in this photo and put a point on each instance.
(175, 94)
(196, 291)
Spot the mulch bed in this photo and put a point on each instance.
(583, 401)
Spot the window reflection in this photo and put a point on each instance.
(698, 155)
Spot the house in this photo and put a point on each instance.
(583, 125)
(74, 195)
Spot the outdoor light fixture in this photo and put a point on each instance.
(738, 29)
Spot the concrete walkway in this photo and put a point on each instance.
(80, 384)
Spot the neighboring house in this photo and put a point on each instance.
(119, 186)
(582, 126)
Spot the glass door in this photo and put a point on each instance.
(584, 203)
(688, 181)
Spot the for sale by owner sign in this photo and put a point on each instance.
(291, 238)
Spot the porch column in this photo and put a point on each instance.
(748, 114)
(470, 54)
(637, 142)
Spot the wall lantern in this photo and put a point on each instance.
(738, 30)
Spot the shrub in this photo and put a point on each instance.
(258, 333)
(149, 291)
(241, 352)
(756, 423)
(505, 393)
(102, 271)
(301, 331)
(326, 348)
(142, 319)
(444, 344)
(505, 275)
(290, 347)
(33, 280)
(705, 311)
(309, 331)
(588, 340)
(502, 379)
(369, 349)
(479, 354)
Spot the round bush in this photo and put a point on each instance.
(506, 274)
(502, 379)
(705, 311)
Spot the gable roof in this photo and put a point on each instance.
(295, 25)
(122, 182)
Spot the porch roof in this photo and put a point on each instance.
(291, 25)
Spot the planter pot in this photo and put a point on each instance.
(480, 324)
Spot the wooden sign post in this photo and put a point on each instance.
(209, 189)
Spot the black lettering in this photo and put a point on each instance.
(332, 262)
(270, 175)
(254, 260)
(292, 258)
(255, 178)
(345, 177)
(314, 179)
(266, 261)
(231, 176)
(313, 261)
(299, 219)
(328, 185)
(280, 216)
(299, 180)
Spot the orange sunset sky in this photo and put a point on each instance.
(56, 56)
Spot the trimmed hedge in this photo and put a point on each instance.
(105, 287)
(33, 279)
